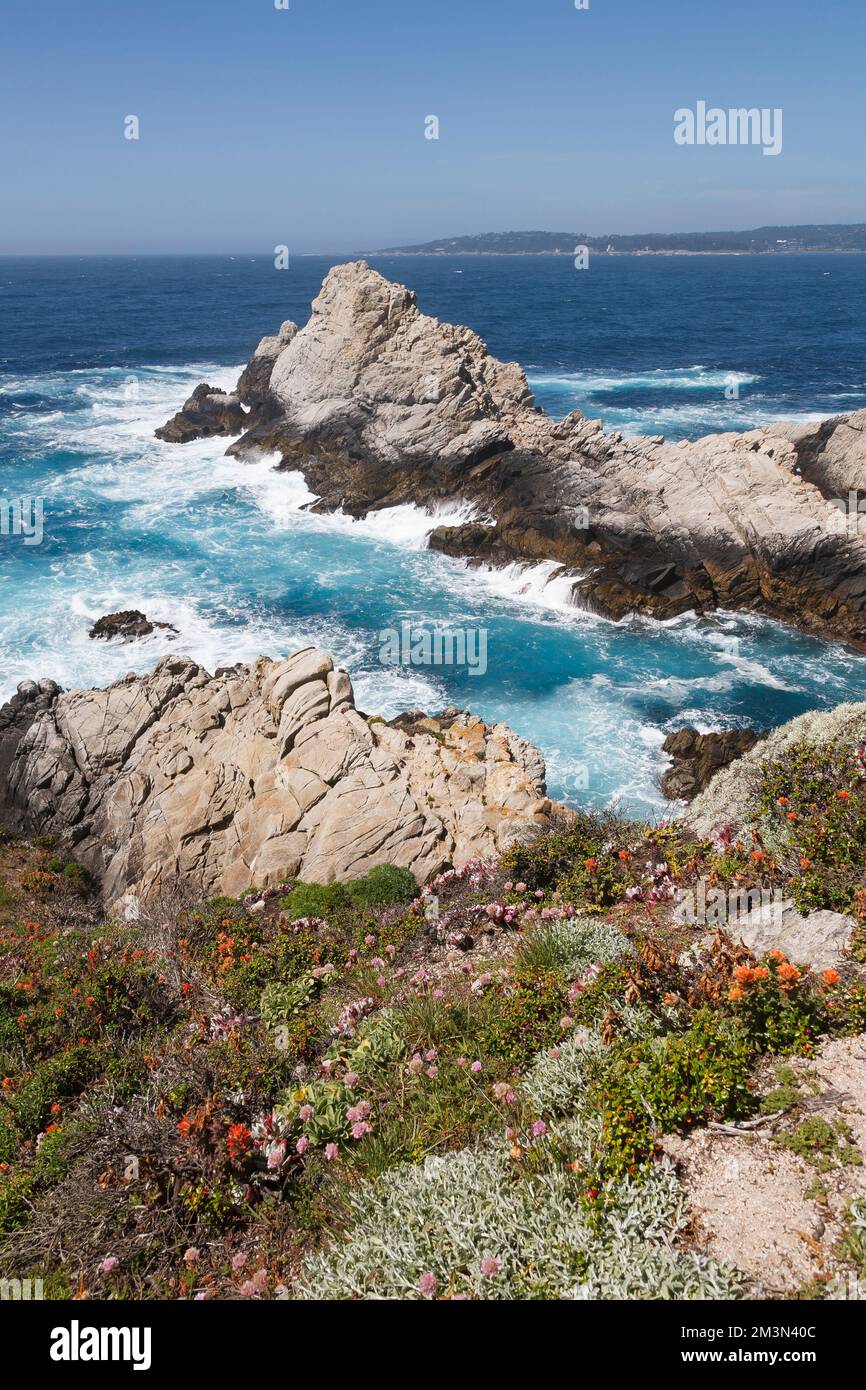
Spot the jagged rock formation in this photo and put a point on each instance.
(256, 774)
(128, 625)
(208, 411)
(696, 758)
(254, 382)
(379, 404)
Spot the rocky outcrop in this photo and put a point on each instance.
(128, 625)
(696, 758)
(253, 388)
(378, 404)
(208, 411)
(731, 799)
(256, 774)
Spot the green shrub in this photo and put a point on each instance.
(384, 886)
(280, 1002)
(668, 1084)
(315, 900)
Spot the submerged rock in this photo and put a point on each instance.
(128, 625)
(256, 775)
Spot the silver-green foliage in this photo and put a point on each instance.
(447, 1215)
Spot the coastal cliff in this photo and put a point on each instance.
(377, 404)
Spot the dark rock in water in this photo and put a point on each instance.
(207, 412)
(698, 757)
(127, 625)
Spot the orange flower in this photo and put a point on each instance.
(831, 977)
(734, 994)
(624, 854)
(185, 1125)
(777, 955)
(760, 973)
(787, 972)
(805, 863)
(758, 855)
(743, 974)
(782, 801)
(792, 815)
(844, 796)
(590, 864)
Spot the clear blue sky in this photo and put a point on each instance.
(306, 126)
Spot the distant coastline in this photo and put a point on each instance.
(775, 241)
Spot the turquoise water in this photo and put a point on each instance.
(96, 354)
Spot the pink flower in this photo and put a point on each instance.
(359, 1111)
(438, 994)
(302, 1145)
(490, 1266)
(350, 1080)
(476, 1066)
(369, 940)
(415, 1064)
(427, 1284)
(331, 1151)
(305, 1113)
(460, 1062)
(539, 1129)
(431, 1055)
(239, 1260)
(360, 1129)
(191, 1255)
(432, 1072)
(109, 1265)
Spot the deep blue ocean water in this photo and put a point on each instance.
(96, 352)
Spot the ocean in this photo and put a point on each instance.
(95, 353)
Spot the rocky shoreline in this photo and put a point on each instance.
(254, 775)
(377, 404)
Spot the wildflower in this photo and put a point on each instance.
(431, 1055)
(415, 1064)
(360, 1129)
(758, 856)
(539, 1129)
(432, 1072)
(792, 815)
(566, 1022)
(427, 1284)
(305, 1113)
(490, 1266)
(590, 864)
(831, 977)
(358, 1112)
(743, 974)
(520, 887)
(331, 1152)
(735, 994)
(190, 1256)
(787, 972)
(460, 1061)
(844, 796)
(500, 1090)
(476, 1067)
(239, 1260)
(302, 1145)
(350, 1080)
(109, 1265)
(624, 854)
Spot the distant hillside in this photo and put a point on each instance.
(835, 237)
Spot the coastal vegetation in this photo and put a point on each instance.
(465, 1091)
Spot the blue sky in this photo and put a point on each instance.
(305, 127)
